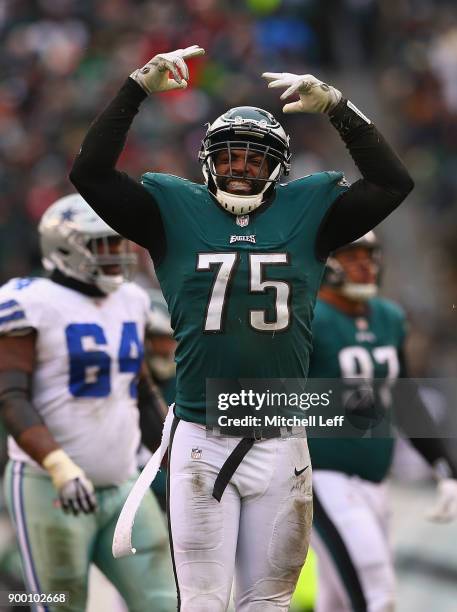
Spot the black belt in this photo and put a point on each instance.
(240, 451)
(257, 433)
(230, 466)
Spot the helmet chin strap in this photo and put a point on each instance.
(241, 204)
(360, 292)
(107, 283)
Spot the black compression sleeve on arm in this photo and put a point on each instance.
(16, 410)
(412, 416)
(368, 201)
(121, 201)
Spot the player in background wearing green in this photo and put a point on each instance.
(239, 260)
(357, 334)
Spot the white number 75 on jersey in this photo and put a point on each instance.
(227, 263)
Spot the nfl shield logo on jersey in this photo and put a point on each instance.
(242, 220)
(196, 453)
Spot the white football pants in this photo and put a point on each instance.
(259, 531)
(355, 564)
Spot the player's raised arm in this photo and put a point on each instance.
(120, 200)
(22, 421)
(385, 182)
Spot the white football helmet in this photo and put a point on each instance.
(251, 129)
(335, 275)
(75, 240)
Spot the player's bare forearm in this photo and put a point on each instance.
(21, 420)
(37, 441)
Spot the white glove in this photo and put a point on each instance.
(315, 96)
(445, 508)
(76, 492)
(155, 77)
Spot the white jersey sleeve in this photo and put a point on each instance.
(18, 315)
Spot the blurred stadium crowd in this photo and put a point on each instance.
(62, 60)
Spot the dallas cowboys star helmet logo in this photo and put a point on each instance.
(67, 215)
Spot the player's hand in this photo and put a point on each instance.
(78, 495)
(76, 492)
(315, 96)
(445, 508)
(166, 71)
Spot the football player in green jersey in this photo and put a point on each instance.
(357, 334)
(239, 259)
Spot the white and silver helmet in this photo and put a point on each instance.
(254, 130)
(335, 276)
(75, 241)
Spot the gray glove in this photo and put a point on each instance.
(155, 75)
(76, 492)
(77, 496)
(315, 96)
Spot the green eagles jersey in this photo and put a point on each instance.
(347, 347)
(240, 290)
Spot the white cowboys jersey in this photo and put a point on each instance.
(89, 352)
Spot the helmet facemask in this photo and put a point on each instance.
(78, 243)
(110, 269)
(337, 277)
(263, 139)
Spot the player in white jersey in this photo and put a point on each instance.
(71, 353)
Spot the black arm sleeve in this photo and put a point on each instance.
(411, 416)
(16, 410)
(121, 201)
(368, 201)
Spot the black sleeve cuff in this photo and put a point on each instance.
(348, 121)
(135, 91)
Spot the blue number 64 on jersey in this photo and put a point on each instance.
(90, 370)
